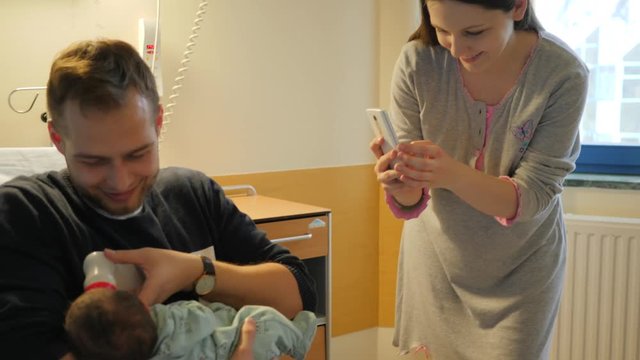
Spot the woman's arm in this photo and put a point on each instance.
(426, 164)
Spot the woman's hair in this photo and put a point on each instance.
(98, 74)
(427, 33)
(105, 324)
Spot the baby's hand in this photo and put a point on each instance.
(244, 351)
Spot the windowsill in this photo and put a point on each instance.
(603, 181)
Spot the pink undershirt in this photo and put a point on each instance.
(479, 165)
(480, 154)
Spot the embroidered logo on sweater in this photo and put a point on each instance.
(524, 133)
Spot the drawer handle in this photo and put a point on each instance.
(292, 238)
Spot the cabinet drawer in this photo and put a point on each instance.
(317, 351)
(305, 238)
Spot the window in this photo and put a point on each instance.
(606, 35)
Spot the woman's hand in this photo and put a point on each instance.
(386, 175)
(166, 271)
(389, 177)
(424, 163)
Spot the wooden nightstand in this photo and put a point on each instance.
(306, 231)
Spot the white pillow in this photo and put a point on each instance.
(28, 161)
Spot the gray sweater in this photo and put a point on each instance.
(469, 287)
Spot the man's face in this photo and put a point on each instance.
(112, 156)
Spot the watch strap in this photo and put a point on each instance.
(207, 264)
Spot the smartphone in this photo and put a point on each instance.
(381, 125)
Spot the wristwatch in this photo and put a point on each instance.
(207, 281)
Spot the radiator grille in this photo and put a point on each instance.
(599, 316)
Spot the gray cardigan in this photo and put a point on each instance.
(469, 287)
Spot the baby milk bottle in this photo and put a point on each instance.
(99, 271)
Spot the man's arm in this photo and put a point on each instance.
(249, 268)
(252, 269)
(168, 272)
(269, 284)
(268, 273)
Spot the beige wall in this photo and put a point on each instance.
(32, 32)
(397, 20)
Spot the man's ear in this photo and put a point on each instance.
(159, 119)
(55, 137)
(520, 9)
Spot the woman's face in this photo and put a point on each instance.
(476, 36)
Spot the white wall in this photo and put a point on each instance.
(275, 85)
(398, 20)
(601, 202)
(272, 85)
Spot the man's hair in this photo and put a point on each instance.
(98, 75)
(427, 33)
(105, 324)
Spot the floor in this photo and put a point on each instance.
(370, 344)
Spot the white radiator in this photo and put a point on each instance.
(599, 317)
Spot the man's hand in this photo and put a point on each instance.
(244, 350)
(166, 271)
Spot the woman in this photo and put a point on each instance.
(487, 108)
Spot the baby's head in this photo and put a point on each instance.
(110, 324)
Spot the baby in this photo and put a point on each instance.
(105, 324)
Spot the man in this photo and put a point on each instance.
(105, 118)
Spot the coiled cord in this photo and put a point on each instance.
(186, 58)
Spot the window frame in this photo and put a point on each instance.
(609, 159)
(614, 159)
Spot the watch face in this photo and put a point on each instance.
(205, 284)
